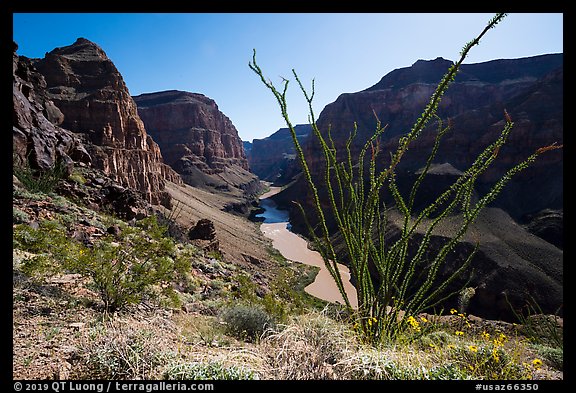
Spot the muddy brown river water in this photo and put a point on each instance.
(295, 248)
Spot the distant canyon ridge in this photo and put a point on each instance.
(529, 89)
(197, 140)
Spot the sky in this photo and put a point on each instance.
(208, 53)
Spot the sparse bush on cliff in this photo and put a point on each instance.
(40, 180)
(246, 322)
(124, 268)
(394, 282)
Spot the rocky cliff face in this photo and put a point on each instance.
(38, 141)
(529, 89)
(196, 139)
(86, 87)
(190, 125)
(274, 158)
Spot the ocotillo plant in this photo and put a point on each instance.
(355, 188)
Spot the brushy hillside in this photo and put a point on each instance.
(90, 301)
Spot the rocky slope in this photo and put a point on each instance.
(274, 158)
(197, 140)
(95, 104)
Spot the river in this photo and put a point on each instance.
(293, 247)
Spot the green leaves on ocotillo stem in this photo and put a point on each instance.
(393, 278)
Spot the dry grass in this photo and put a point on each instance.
(308, 348)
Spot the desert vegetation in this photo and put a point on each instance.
(391, 297)
(79, 314)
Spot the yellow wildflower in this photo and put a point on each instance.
(486, 335)
(453, 311)
(414, 323)
(459, 333)
(537, 363)
(423, 319)
(473, 348)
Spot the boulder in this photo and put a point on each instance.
(202, 230)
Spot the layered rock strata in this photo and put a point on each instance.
(197, 140)
(88, 89)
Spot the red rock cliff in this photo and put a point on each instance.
(90, 92)
(197, 140)
(529, 89)
(191, 125)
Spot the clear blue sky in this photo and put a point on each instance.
(343, 52)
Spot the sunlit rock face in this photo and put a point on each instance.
(196, 139)
(90, 92)
(190, 124)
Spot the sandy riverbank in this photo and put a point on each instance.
(295, 248)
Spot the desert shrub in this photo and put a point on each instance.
(40, 180)
(19, 216)
(309, 347)
(488, 362)
(246, 322)
(554, 356)
(124, 270)
(435, 339)
(49, 246)
(212, 370)
(123, 352)
(376, 365)
(77, 177)
(387, 274)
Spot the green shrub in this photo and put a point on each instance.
(77, 177)
(44, 181)
(375, 365)
(246, 322)
(125, 269)
(435, 339)
(212, 370)
(50, 247)
(19, 217)
(391, 276)
(554, 356)
(489, 362)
